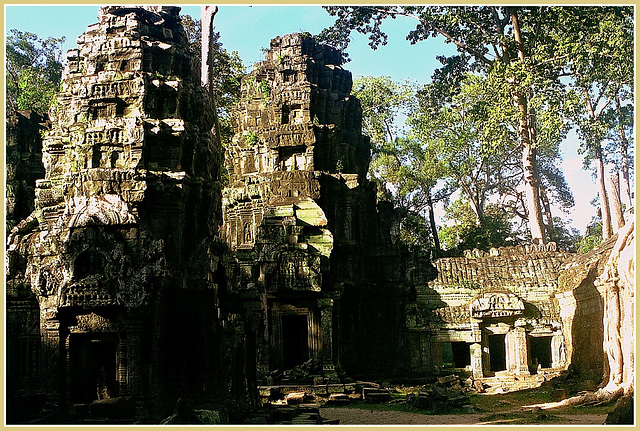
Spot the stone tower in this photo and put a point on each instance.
(300, 216)
(118, 261)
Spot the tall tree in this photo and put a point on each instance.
(33, 70)
(227, 71)
(401, 168)
(622, 136)
(476, 154)
(598, 53)
(506, 41)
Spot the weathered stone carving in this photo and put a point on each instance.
(500, 308)
(23, 163)
(496, 304)
(121, 242)
(299, 214)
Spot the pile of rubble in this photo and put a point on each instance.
(448, 392)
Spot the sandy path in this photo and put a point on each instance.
(357, 416)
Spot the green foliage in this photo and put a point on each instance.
(593, 237)
(464, 233)
(565, 237)
(526, 65)
(470, 150)
(33, 70)
(599, 50)
(251, 138)
(265, 90)
(401, 168)
(382, 100)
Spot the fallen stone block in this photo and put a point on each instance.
(338, 399)
(420, 401)
(458, 400)
(447, 379)
(375, 395)
(295, 398)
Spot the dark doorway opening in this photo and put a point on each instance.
(295, 340)
(461, 354)
(92, 366)
(497, 352)
(540, 348)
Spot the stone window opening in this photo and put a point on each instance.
(292, 159)
(288, 75)
(89, 263)
(456, 354)
(285, 115)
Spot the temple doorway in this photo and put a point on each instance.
(540, 348)
(497, 352)
(461, 354)
(295, 339)
(92, 366)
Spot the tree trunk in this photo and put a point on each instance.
(207, 14)
(526, 136)
(536, 224)
(432, 222)
(602, 191)
(617, 284)
(624, 155)
(546, 206)
(616, 203)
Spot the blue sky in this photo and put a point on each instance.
(248, 29)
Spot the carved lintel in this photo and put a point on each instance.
(496, 304)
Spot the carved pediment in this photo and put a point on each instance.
(496, 304)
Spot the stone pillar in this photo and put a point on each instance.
(517, 351)
(558, 351)
(130, 372)
(326, 330)
(52, 355)
(475, 350)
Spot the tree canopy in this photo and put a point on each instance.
(33, 70)
(528, 57)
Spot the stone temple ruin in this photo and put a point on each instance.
(157, 266)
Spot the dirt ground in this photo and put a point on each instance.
(363, 416)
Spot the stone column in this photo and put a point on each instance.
(52, 355)
(475, 350)
(326, 330)
(517, 351)
(130, 372)
(558, 351)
